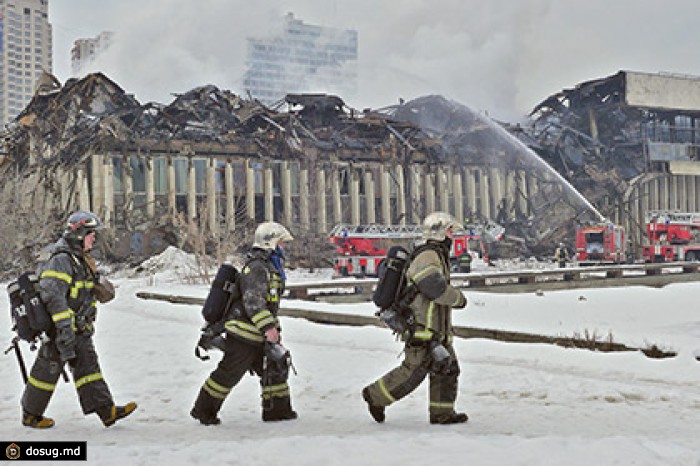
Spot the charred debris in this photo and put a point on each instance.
(586, 133)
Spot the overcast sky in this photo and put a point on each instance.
(496, 56)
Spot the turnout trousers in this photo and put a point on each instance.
(239, 358)
(93, 391)
(401, 381)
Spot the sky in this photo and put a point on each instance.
(499, 57)
(528, 404)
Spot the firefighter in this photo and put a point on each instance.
(69, 286)
(561, 255)
(465, 262)
(428, 346)
(252, 341)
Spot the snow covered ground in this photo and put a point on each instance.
(528, 404)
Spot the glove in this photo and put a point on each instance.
(65, 342)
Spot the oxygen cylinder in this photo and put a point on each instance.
(391, 277)
(224, 290)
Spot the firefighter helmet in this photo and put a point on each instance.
(435, 225)
(268, 234)
(80, 224)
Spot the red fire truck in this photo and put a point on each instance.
(360, 248)
(602, 243)
(673, 236)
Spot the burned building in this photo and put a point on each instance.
(227, 162)
(628, 142)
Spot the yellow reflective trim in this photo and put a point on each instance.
(280, 394)
(55, 274)
(244, 330)
(217, 386)
(423, 335)
(214, 393)
(275, 388)
(68, 314)
(49, 387)
(425, 272)
(264, 314)
(88, 379)
(385, 391)
(442, 404)
(77, 286)
(429, 316)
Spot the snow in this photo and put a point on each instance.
(528, 403)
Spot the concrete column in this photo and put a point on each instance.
(230, 196)
(692, 194)
(354, 197)
(401, 194)
(674, 202)
(522, 195)
(429, 182)
(172, 193)
(654, 194)
(470, 186)
(191, 189)
(385, 186)
(269, 195)
(484, 194)
(443, 189)
(304, 199)
(645, 194)
(249, 189)
(682, 193)
(212, 198)
(288, 207)
(108, 214)
(150, 188)
(97, 176)
(128, 184)
(335, 192)
(496, 192)
(321, 218)
(83, 190)
(416, 210)
(370, 196)
(457, 190)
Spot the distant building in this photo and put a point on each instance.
(85, 50)
(301, 58)
(25, 51)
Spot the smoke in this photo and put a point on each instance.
(500, 57)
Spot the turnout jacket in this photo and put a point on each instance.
(429, 272)
(67, 287)
(261, 287)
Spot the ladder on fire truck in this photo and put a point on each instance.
(377, 231)
(673, 217)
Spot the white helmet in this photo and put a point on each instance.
(268, 234)
(435, 225)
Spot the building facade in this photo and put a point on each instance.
(302, 58)
(84, 51)
(25, 51)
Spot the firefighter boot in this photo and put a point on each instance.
(36, 422)
(205, 409)
(448, 418)
(377, 412)
(112, 414)
(281, 410)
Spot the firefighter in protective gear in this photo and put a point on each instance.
(428, 347)
(67, 282)
(561, 255)
(253, 334)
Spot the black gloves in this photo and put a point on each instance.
(65, 342)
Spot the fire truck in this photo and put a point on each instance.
(361, 248)
(673, 236)
(602, 243)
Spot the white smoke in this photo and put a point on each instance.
(501, 57)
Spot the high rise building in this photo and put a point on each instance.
(84, 51)
(301, 58)
(25, 51)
